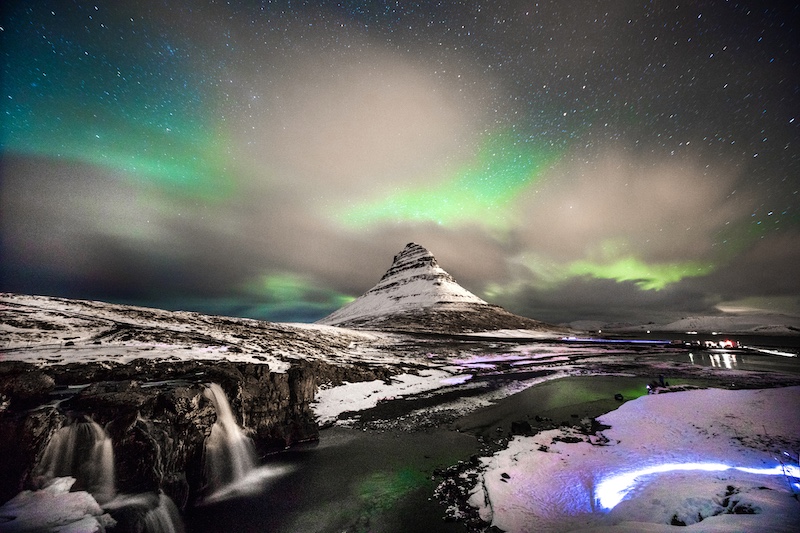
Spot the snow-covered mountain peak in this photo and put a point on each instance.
(416, 294)
(415, 278)
(413, 281)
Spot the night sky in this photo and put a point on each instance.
(569, 160)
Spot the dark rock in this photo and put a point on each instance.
(23, 436)
(26, 387)
(569, 439)
(595, 427)
(154, 410)
(676, 521)
(156, 415)
(521, 427)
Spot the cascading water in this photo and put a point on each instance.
(165, 518)
(82, 450)
(229, 454)
(148, 512)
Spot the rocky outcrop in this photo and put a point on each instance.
(155, 414)
(417, 295)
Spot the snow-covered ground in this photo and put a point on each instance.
(517, 334)
(50, 331)
(765, 324)
(538, 483)
(728, 323)
(331, 402)
(697, 457)
(54, 509)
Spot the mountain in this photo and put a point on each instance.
(741, 323)
(417, 295)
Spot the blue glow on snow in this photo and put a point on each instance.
(613, 490)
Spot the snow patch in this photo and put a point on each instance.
(332, 402)
(553, 482)
(55, 509)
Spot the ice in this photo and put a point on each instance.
(53, 508)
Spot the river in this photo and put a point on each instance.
(381, 480)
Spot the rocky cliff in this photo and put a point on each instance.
(134, 382)
(155, 414)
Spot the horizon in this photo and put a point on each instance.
(613, 163)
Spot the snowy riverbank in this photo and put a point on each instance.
(640, 474)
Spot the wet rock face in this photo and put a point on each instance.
(25, 385)
(156, 415)
(23, 438)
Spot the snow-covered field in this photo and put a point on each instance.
(729, 323)
(707, 459)
(49, 331)
(332, 402)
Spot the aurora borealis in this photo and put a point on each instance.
(569, 160)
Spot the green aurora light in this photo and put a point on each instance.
(646, 276)
(611, 263)
(78, 98)
(481, 191)
(194, 167)
(287, 293)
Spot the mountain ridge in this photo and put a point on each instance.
(417, 295)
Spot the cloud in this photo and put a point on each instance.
(606, 300)
(604, 236)
(766, 269)
(332, 126)
(660, 209)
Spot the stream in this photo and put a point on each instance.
(378, 480)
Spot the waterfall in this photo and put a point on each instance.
(82, 450)
(228, 454)
(148, 512)
(165, 518)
